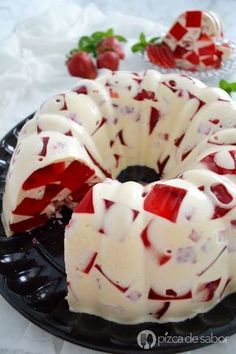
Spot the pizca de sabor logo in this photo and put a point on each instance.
(146, 339)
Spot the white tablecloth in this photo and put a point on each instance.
(31, 69)
(32, 59)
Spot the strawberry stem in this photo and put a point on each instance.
(143, 42)
(89, 44)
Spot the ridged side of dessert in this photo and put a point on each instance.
(134, 253)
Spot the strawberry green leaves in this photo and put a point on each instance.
(143, 42)
(97, 36)
(89, 44)
(110, 33)
(106, 47)
(120, 38)
(229, 87)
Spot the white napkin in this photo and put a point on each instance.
(32, 67)
(32, 64)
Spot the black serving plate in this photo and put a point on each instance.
(33, 281)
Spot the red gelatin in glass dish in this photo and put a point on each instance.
(193, 18)
(178, 31)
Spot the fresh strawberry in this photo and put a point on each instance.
(168, 54)
(100, 42)
(108, 60)
(160, 54)
(144, 43)
(111, 44)
(80, 64)
(153, 54)
(162, 58)
(150, 53)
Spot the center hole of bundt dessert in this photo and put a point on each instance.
(140, 174)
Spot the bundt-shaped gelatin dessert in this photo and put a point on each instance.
(161, 252)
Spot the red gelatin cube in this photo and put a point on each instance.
(221, 193)
(153, 295)
(81, 90)
(193, 58)
(204, 37)
(208, 289)
(171, 292)
(144, 237)
(193, 18)
(114, 94)
(178, 31)
(68, 133)
(162, 310)
(90, 264)
(121, 288)
(178, 140)
(86, 204)
(143, 95)
(219, 212)
(165, 201)
(211, 164)
(209, 61)
(154, 118)
(31, 206)
(208, 50)
(51, 191)
(45, 175)
(121, 137)
(162, 164)
(163, 259)
(233, 223)
(108, 203)
(29, 224)
(75, 175)
(79, 194)
(103, 121)
(179, 52)
(106, 173)
(117, 158)
(185, 154)
(45, 141)
(214, 121)
(135, 214)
